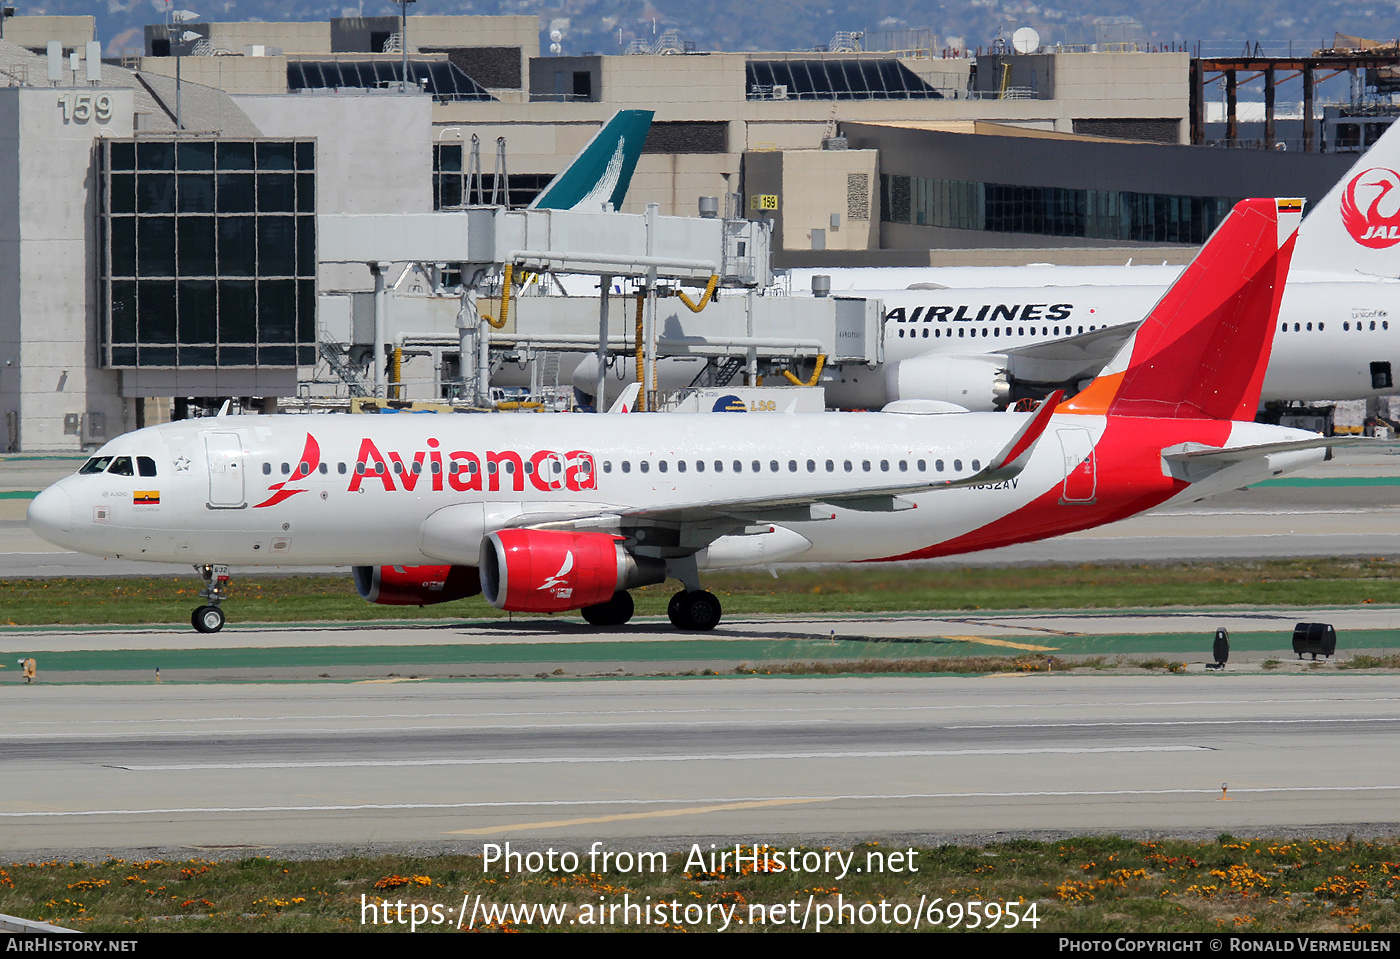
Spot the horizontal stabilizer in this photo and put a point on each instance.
(1193, 462)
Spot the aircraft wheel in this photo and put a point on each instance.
(207, 619)
(694, 611)
(614, 612)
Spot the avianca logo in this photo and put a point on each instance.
(1378, 226)
(557, 584)
(310, 459)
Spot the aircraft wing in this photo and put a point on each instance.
(1070, 358)
(868, 496)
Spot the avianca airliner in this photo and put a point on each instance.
(556, 512)
(980, 337)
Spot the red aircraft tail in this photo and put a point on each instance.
(1202, 351)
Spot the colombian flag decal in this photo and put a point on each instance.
(145, 497)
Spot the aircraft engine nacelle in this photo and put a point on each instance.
(976, 382)
(415, 585)
(549, 571)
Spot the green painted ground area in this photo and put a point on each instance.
(18, 494)
(662, 652)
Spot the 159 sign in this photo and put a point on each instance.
(82, 107)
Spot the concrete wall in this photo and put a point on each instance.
(311, 37)
(57, 267)
(817, 185)
(10, 333)
(374, 154)
(72, 32)
(235, 75)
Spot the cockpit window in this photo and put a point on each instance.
(146, 466)
(97, 464)
(121, 466)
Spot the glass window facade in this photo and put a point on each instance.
(208, 253)
(1051, 211)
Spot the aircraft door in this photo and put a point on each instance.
(1081, 477)
(225, 470)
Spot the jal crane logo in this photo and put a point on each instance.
(1371, 208)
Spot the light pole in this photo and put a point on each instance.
(403, 42)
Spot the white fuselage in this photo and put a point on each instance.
(1329, 336)
(232, 489)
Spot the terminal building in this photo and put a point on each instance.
(162, 215)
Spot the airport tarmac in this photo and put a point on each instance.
(347, 736)
(234, 769)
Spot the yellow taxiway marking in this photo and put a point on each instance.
(654, 814)
(987, 641)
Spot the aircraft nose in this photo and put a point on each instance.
(51, 515)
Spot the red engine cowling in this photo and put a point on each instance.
(415, 585)
(549, 571)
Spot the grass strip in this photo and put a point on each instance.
(1083, 884)
(853, 589)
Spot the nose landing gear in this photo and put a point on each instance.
(210, 618)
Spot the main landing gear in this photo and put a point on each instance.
(691, 610)
(614, 612)
(210, 618)
(694, 610)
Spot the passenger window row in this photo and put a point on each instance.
(1346, 326)
(995, 331)
(791, 466)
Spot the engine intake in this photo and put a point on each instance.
(549, 571)
(415, 585)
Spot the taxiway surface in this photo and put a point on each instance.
(450, 765)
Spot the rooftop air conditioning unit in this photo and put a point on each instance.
(780, 91)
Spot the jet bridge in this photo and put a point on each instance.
(656, 255)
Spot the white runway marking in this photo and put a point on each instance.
(570, 803)
(559, 714)
(668, 758)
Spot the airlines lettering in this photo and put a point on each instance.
(466, 471)
(973, 314)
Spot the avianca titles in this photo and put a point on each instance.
(558, 512)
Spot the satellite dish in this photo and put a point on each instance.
(556, 35)
(1025, 40)
(555, 49)
(189, 35)
(184, 16)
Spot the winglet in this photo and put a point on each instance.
(1017, 453)
(602, 171)
(628, 399)
(1202, 351)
